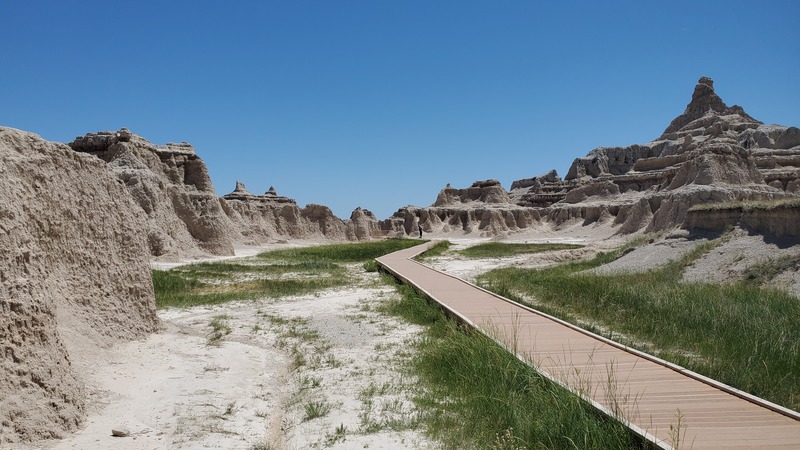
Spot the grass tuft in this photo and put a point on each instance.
(316, 409)
(219, 328)
(371, 266)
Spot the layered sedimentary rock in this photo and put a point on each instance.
(710, 153)
(780, 218)
(488, 191)
(74, 273)
(261, 218)
(170, 183)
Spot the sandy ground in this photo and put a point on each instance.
(251, 389)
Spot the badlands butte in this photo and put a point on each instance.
(82, 221)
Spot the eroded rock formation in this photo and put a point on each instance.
(710, 153)
(261, 218)
(170, 183)
(74, 273)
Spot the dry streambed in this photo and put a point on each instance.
(322, 370)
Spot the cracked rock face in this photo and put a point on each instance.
(74, 274)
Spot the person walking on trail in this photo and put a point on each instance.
(420, 230)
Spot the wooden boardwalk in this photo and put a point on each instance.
(648, 394)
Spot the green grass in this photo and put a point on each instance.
(740, 334)
(475, 394)
(345, 253)
(438, 249)
(177, 288)
(370, 266)
(499, 249)
(272, 274)
(768, 270)
(219, 328)
(316, 409)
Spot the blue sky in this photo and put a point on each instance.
(377, 103)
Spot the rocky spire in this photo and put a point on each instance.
(704, 99)
(240, 189)
(271, 192)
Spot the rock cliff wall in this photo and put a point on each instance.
(780, 218)
(170, 183)
(74, 271)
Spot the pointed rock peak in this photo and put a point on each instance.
(271, 192)
(704, 99)
(550, 177)
(240, 188)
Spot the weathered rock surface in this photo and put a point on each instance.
(170, 183)
(260, 218)
(489, 191)
(710, 153)
(74, 275)
(779, 219)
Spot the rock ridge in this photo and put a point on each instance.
(709, 153)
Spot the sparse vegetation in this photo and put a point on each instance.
(740, 334)
(219, 328)
(500, 249)
(316, 409)
(338, 435)
(475, 394)
(766, 271)
(274, 274)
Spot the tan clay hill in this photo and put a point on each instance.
(709, 154)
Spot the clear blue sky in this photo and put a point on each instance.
(379, 103)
